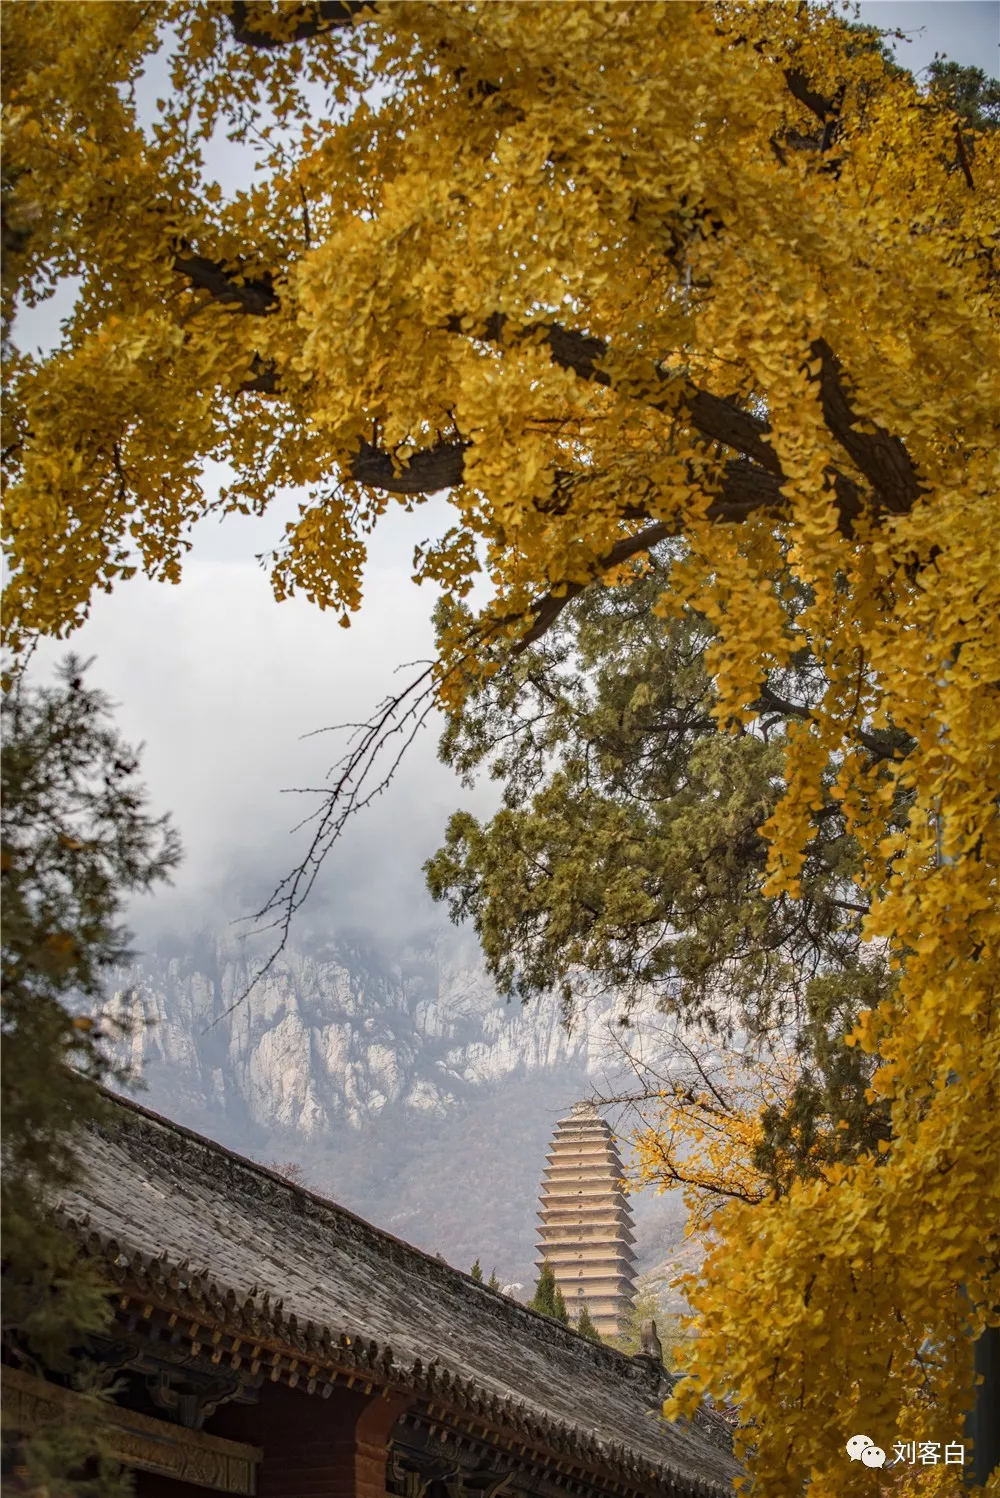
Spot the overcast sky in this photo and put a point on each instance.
(222, 683)
(967, 31)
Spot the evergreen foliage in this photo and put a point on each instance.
(476, 1272)
(493, 1282)
(548, 1298)
(968, 91)
(76, 843)
(628, 851)
(586, 1327)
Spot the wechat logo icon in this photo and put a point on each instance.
(863, 1448)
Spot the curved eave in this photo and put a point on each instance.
(317, 1359)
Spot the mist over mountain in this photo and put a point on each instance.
(391, 1073)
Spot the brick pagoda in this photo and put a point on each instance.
(586, 1233)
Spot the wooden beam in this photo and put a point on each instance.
(139, 1441)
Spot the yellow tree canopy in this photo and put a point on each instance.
(607, 273)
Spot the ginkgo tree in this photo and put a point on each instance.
(608, 274)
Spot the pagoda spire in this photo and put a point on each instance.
(587, 1230)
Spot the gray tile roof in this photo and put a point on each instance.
(198, 1226)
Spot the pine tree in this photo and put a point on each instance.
(544, 1296)
(76, 844)
(586, 1327)
(548, 1297)
(476, 1272)
(493, 1282)
(973, 96)
(693, 800)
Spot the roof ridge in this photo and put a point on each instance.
(600, 1352)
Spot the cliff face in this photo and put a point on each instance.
(337, 1034)
(395, 1077)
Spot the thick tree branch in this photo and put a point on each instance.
(799, 86)
(249, 21)
(745, 489)
(720, 421)
(785, 709)
(963, 158)
(263, 381)
(886, 747)
(438, 467)
(715, 419)
(881, 457)
(825, 110)
(748, 485)
(253, 294)
(851, 905)
(547, 610)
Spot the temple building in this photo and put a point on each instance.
(268, 1342)
(586, 1233)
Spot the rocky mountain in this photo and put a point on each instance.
(392, 1075)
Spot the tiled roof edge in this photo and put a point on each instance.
(602, 1354)
(609, 1359)
(203, 1297)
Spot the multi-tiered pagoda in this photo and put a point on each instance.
(586, 1233)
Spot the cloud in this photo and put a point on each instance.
(222, 683)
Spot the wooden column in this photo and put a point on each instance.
(371, 1444)
(315, 1447)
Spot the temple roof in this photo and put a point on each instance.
(197, 1226)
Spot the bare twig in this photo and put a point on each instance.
(376, 750)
